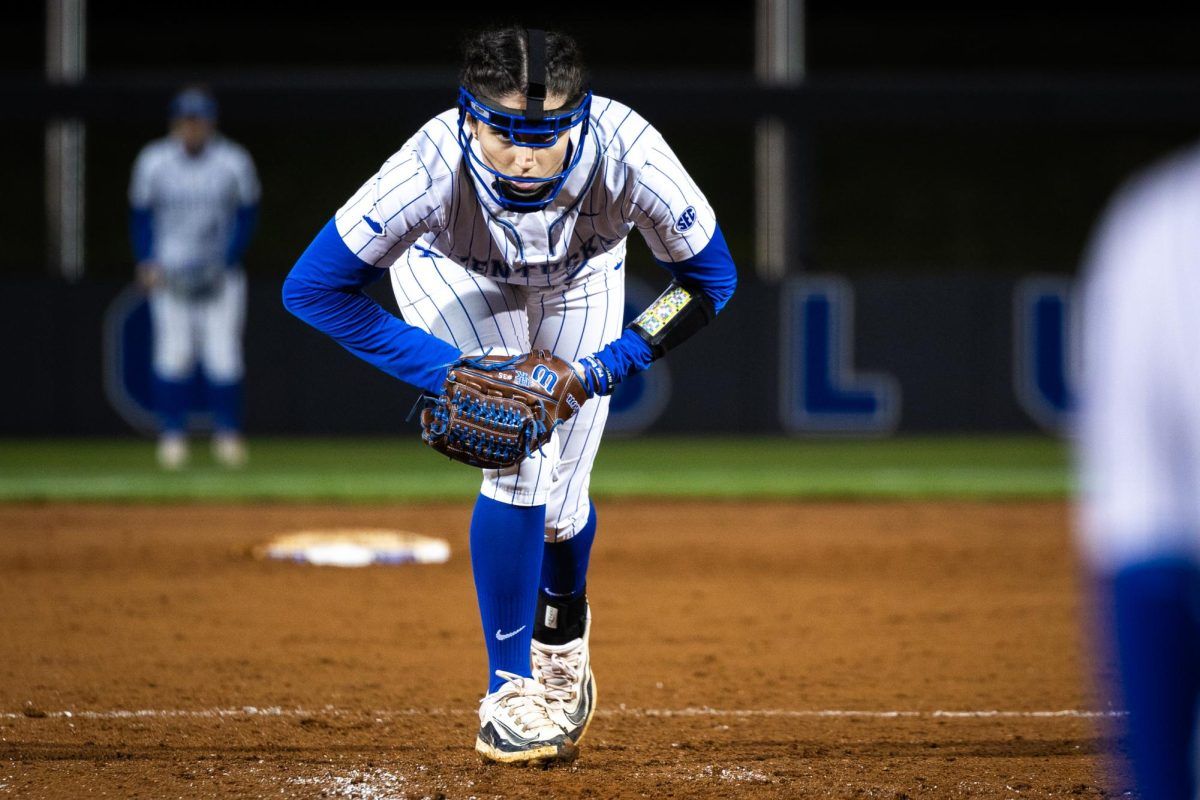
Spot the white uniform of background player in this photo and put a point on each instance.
(486, 279)
(198, 194)
(1140, 455)
(503, 228)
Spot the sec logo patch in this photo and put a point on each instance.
(686, 220)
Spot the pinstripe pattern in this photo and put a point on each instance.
(567, 506)
(489, 280)
(478, 314)
(193, 199)
(627, 177)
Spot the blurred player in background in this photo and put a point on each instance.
(503, 225)
(194, 201)
(1140, 458)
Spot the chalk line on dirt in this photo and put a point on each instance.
(619, 711)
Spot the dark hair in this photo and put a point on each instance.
(494, 63)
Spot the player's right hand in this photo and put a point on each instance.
(149, 275)
(597, 379)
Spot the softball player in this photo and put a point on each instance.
(194, 202)
(502, 224)
(1140, 457)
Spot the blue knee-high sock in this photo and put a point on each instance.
(171, 401)
(1156, 632)
(565, 564)
(506, 556)
(226, 402)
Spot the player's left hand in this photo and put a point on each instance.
(495, 412)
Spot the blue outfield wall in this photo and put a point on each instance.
(820, 355)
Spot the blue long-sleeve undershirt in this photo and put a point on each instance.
(712, 269)
(244, 223)
(141, 233)
(324, 289)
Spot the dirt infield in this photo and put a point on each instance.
(741, 650)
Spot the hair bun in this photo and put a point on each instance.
(494, 63)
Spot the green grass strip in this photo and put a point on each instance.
(381, 470)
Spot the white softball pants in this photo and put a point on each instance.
(478, 314)
(206, 330)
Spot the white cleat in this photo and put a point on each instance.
(565, 672)
(515, 726)
(229, 450)
(172, 451)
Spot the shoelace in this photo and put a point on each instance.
(560, 675)
(526, 704)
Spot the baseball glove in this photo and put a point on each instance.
(494, 412)
(195, 281)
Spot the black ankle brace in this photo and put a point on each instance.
(560, 619)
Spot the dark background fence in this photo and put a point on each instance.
(949, 342)
(944, 154)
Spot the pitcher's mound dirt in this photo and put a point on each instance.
(741, 650)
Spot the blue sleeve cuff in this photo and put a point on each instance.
(243, 228)
(712, 269)
(324, 289)
(626, 355)
(141, 233)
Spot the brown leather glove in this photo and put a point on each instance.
(493, 412)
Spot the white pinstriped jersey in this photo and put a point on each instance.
(1140, 443)
(194, 199)
(626, 178)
